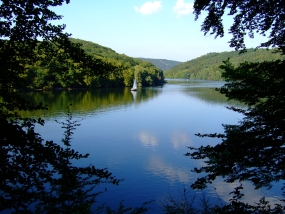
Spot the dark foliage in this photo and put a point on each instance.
(250, 16)
(37, 175)
(252, 150)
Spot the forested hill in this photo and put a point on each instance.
(207, 66)
(163, 64)
(121, 71)
(95, 49)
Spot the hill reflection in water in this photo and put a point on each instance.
(85, 102)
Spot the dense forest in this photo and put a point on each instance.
(208, 66)
(122, 71)
(163, 64)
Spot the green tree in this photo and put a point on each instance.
(253, 150)
(33, 171)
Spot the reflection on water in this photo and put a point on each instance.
(172, 173)
(147, 139)
(204, 90)
(89, 101)
(142, 137)
(251, 195)
(134, 93)
(86, 102)
(179, 139)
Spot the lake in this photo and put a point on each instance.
(142, 137)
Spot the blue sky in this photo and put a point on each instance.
(163, 29)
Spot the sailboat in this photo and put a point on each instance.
(135, 87)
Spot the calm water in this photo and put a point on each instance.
(142, 137)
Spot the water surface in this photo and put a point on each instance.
(142, 136)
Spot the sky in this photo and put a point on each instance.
(164, 29)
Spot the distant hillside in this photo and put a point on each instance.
(163, 64)
(207, 66)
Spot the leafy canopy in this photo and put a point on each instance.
(250, 17)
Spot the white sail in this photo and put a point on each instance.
(135, 87)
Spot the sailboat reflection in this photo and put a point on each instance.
(134, 93)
